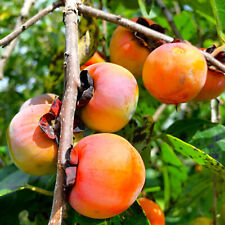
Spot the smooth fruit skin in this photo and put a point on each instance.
(114, 99)
(202, 221)
(110, 176)
(214, 86)
(215, 82)
(153, 212)
(174, 73)
(127, 51)
(31, 150)
(47, 98)
(96, 58)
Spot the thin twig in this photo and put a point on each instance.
(215, 111)
(169, 17)
(158, 112)
(215, 118)
(72, 81)
(6, 40)
(215, 222)
(89, 11)
(8, 50)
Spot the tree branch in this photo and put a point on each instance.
(215, 111)
(158, 112)
(8, 50)
(89, 11)
(169, 17)
(6, 40)
(72, 81)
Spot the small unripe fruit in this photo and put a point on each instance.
(175, 73)
(41, 99)
(202, 221)
(31, 150)
(110, 176)
(222, 213)
(153, 212)
(114, 98)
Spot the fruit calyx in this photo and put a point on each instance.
(147, 42)
(70, 169)
(49, 122)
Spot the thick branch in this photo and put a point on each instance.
(89, 11)
(8, 50)
(72, 81)
(169, 17)
(6, 40)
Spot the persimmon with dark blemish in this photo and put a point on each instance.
(175, 73)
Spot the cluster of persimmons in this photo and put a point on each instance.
(110, 173)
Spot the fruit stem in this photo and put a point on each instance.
(39, 190)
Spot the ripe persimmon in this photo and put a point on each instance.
(127, 50)
(153, 212)
(215, 82)
(110, 175)
(114, 100)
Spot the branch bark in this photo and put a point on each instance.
(8, 50)
(72, 81)
(6, 40)
(169, 17)
(89, 11)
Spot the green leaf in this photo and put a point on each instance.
(186, 128)
(13, 181)
(211, 141)
(196, 154)
(218, 7)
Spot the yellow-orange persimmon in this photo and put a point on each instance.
(110, 175)
(31, 150)
(126, 50)
(47, 98)
(114, 98)
(153, 212)
(175, 72)
(96, 58)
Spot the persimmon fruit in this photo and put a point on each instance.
(222, 213)
(110, 175)
(47, 98)
(202, 221)
(215, 82)
(114, 98)
(174, 72)
(31, 150)
(153, 212)
(126, 50)
(96, 58)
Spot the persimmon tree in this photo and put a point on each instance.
(182, 146)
